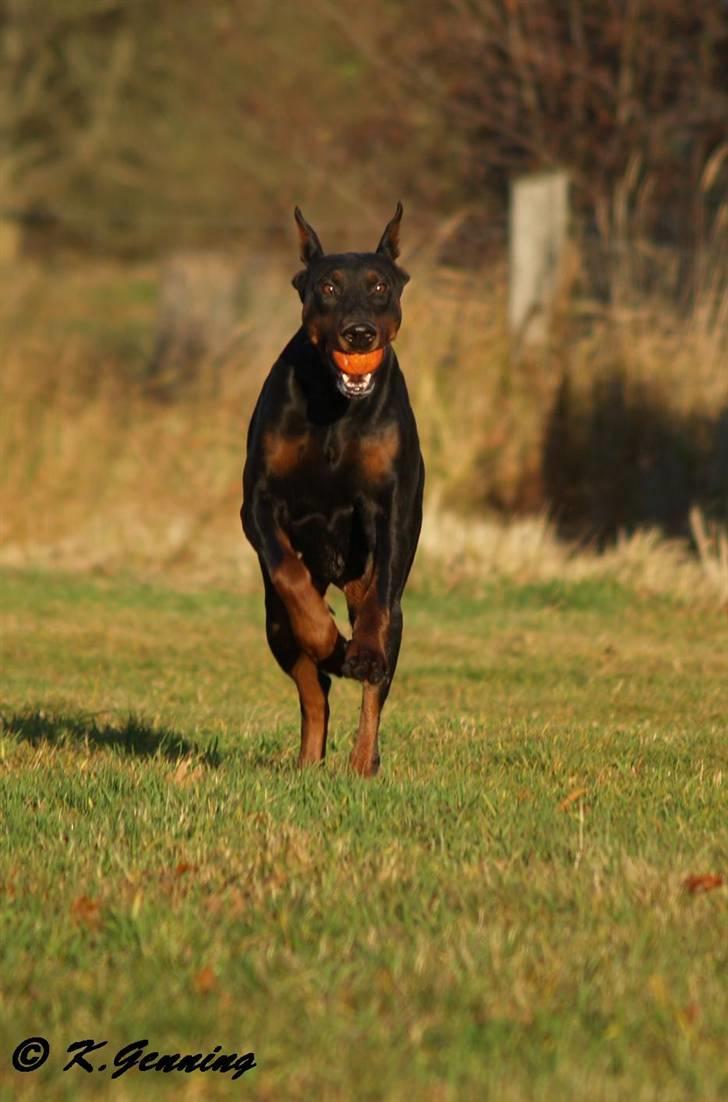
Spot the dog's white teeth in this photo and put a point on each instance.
(355, 384)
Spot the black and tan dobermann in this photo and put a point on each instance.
(332, 487)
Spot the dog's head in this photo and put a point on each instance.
(351, 304)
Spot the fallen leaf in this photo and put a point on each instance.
(689, 1014)
(569, 800)
(706, 882)
(87, 911)
(205, 981)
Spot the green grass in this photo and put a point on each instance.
(501, 914)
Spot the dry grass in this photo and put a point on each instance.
(465, 550)
(95, 474)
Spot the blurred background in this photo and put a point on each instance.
(152, 153)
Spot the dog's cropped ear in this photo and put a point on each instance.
(389, 244)
(311, 248)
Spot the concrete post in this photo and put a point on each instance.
(539, 215)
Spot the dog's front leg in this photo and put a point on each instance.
(312, 624)
(369, 600)
(374, 607)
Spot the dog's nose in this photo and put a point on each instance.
(359, 334)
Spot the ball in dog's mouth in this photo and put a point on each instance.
(356, 371)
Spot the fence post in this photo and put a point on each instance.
(538, 227)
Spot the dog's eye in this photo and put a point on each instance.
(379, 288)
(328, 289)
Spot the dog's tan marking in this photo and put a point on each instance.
(370, 619)
(365, 755)
(356, 590)
(373, 622)
(312, 623)
(284, 453)
(378, 452)
(314, 711)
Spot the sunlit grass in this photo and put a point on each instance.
(502, 913)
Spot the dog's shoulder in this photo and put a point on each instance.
(279, 393)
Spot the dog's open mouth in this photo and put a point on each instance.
(354, 386)
(355, 371)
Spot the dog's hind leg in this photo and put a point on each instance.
(313, 694)
(365, 755)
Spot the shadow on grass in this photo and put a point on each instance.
(132, 736)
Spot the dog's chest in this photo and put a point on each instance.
(329, 463)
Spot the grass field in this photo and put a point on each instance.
(501, 914)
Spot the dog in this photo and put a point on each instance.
(333, 483)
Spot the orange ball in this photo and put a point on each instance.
(358, 363)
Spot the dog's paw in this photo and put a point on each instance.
(364, 663)
(364, 765)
